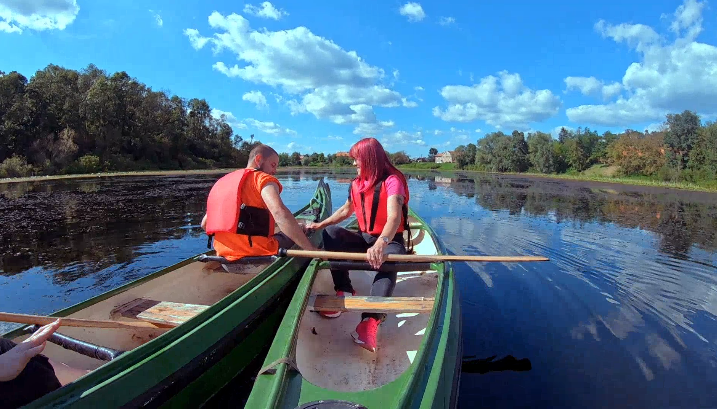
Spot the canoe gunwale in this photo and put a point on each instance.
(103, 376)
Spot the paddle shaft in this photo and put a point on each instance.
(431, 258)
(72, 322)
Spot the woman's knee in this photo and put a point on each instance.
(395, 248)
(331, 236)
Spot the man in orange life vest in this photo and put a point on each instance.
(244, 207)
(379, 198)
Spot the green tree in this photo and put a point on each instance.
(541, 152)
(399, 158)
(682, 135)
(432, 153)
(284, 159)
(704, 155)
(519, 159)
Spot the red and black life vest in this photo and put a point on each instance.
(372, 210)
(226, 211)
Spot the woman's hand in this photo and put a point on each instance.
(14, 361)
(312, 226)
(376, 254)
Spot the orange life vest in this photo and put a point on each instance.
(372, 209)
(226, 212)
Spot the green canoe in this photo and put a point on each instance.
(210, 325)
(314, 363)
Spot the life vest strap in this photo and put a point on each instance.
(374, 203)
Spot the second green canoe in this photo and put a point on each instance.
(314, 363)
(210, 325)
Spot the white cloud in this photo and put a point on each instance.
(373, 129)
(556, 131)
(413, 11)
(395, 74)
(402, 138)
(409, 104)
(252, 124)
(499, 101)
(656, 127)
(325, 80)
(669, 76)
(229, 118)
(295, 147)
(268, 127)
(157, 18)
(267, 10)
(419, 88)
(38, 15)
(335, 138)
(446, 21)
(591, 85)
(195, 39)
(477, 130)
(256, 98)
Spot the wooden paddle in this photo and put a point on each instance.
(430, 258)
(73, 322)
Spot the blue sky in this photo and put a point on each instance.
(319, 75)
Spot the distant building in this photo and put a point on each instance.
(340, 154)
(444, 157)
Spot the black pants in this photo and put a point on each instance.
(339, 239)
(36, 380)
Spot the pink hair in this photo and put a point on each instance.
(374, 163)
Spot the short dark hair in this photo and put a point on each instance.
(264, 150)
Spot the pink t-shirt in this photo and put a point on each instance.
(393, 186)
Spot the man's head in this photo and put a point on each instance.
(264, 158)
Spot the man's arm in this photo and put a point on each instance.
(204, 222)
(284, 218)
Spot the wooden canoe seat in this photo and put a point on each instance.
(370, 304)
(164, 313)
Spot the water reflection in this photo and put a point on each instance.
(623, 314)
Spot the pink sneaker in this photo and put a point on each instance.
(365, 334)
(334, 314)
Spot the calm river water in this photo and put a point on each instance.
(622, 315)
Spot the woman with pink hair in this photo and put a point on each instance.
(379, 198)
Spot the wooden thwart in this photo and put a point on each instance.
(370, 304)
(165, 313)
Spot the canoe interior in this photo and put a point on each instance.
(194, 284)
(326, 354)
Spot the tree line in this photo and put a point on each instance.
(684, 150)
(67, 121)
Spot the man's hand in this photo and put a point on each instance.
(14, 361)
(376, 254)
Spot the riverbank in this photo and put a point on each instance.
(589, 175)
(445, 168)
(115, 174)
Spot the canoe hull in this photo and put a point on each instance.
(430, 380)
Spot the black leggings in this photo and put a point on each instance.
(339, 239)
